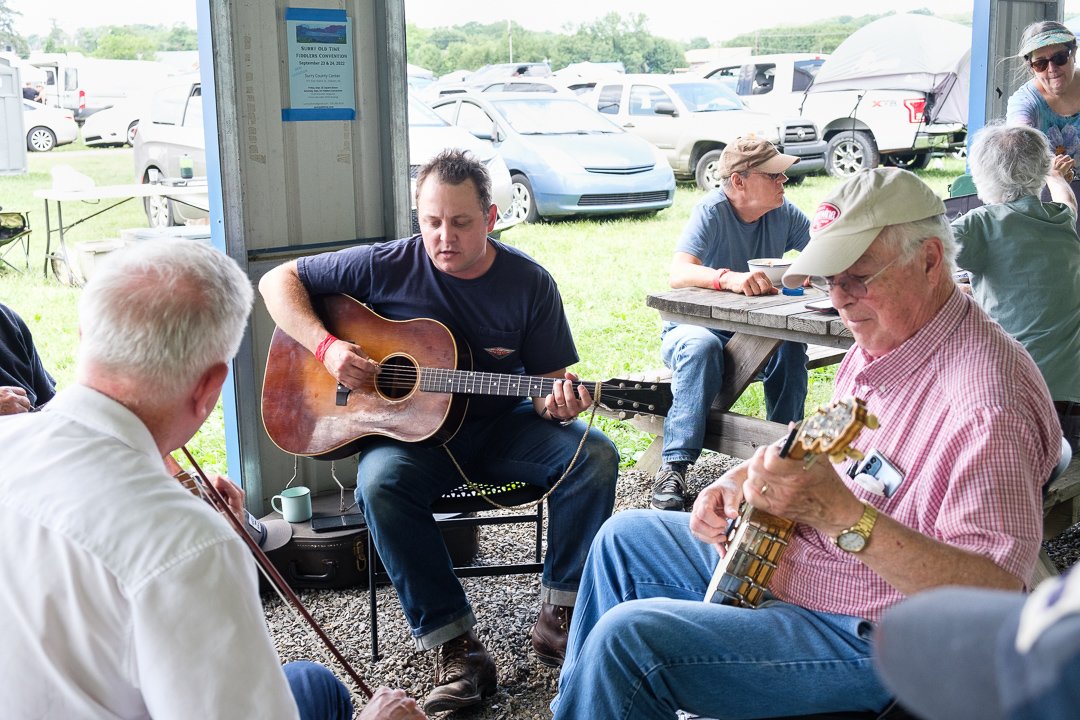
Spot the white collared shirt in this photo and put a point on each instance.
(121, 594)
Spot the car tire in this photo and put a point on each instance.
(523, 201)
(40, 139)
(159, 210)
(132, 129)
(909, 161)
(849, 152)
(707, 171)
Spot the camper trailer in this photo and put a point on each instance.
(86, 85)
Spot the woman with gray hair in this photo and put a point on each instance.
(1024, 256)
(1050, 101)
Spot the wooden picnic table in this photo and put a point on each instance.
(761, 323)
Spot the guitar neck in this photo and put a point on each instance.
(469, 382)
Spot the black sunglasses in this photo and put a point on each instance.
(1060, 59)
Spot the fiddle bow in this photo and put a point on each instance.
(201, 485)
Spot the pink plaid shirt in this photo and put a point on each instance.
(967, 420)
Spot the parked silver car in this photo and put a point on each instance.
(173, 132)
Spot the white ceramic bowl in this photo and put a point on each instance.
(773, 268)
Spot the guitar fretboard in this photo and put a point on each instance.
(482, 383)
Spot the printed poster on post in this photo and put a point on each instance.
(320, 51)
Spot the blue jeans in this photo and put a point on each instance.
(695, 355)
(318, 693)
(643, 644)
(397, 483)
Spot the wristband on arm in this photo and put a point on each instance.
(716, 278)
(320, 351)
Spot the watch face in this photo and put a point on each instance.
(851, 541)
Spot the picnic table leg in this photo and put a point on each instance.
(744, 357)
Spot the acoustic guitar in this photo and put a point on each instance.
(756, 539)
(419, 395)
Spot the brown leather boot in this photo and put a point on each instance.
(464, 674)
(549, 634)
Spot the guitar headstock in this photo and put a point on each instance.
(634, 396)
(831, 429)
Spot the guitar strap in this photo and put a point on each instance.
(479, 490)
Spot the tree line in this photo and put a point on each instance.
(612, 38)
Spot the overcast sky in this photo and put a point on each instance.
(676, 19)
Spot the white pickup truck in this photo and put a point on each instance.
(863, 127)
(691, 120)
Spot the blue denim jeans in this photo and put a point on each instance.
(318, 693)
(695, 355)
(643, 644)
(397, 483)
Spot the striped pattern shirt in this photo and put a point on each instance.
(967, 420)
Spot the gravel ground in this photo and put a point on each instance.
(505, 608)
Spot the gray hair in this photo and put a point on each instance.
(907, 238)
(163, 312)
(1008, 162)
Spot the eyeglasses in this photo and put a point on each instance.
(772, 176)
(852, 285)
(1060, 59)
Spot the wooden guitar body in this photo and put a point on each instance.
(301, 406)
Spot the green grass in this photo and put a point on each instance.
(605, 268)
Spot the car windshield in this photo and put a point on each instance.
(420, 115)
(707, 96)
(551, 116)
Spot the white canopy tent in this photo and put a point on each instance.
(906, 52)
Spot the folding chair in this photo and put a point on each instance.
(470, 500)
(15, 231)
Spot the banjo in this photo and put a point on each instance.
(756, 539)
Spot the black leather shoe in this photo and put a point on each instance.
(549, 634)
(464, 674)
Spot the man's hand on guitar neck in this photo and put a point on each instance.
(349, 365)
(563, 404)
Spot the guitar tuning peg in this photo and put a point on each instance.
(871, 422)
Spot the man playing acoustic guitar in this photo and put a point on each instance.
(508, 310)
(949, 494)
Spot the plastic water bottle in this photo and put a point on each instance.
(187, 167)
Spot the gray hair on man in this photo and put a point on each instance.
(163, 312)
(1009, 162)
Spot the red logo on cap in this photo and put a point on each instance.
(826, 215)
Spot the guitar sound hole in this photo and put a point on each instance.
(397, 377)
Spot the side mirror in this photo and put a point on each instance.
(665, 108)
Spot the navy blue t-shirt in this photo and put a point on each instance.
(511, 317)
(20, 365)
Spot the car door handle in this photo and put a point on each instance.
(629, 125)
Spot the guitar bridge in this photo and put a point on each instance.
(342, 396)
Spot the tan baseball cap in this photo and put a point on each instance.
(753, 153)
(854, 214)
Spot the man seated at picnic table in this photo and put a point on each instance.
(746, 218)
(967, 437)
